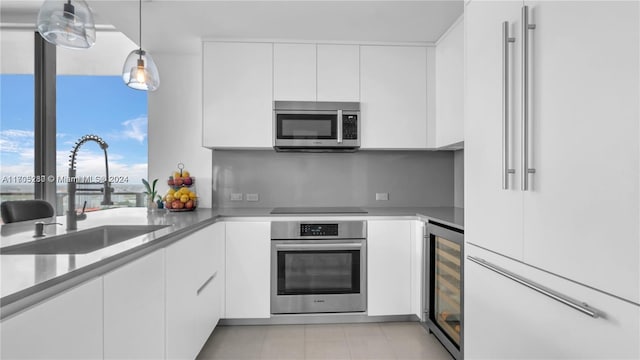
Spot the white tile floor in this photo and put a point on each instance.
(405, 340)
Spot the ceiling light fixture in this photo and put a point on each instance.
(67, 23)
(139, 71)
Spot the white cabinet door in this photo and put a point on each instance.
(181, 299)
(450, 87)
(583, 207)
(417, 244)
(393, 96)
(210, 292)
(294, 72)
(507, 320)
(389, 267)
(338, 72)
(237, 98)
(67, 326)
(493, 216)
(189, 268)
(248, 270)
(134, 309)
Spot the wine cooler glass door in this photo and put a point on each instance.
(444, 253)
(447, 287)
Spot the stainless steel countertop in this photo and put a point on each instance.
(28, 279)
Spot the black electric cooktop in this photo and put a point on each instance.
(318, 210)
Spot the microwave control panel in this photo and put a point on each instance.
(350, 127)
(318, 229)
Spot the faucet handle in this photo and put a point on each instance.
(82, 215)
(40, 228)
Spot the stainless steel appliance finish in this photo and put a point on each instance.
(506, 169)
(316, 126)
(317, 210)
(318, 267)
(443, 288)
(526, 170)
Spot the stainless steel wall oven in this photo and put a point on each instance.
(444, 285)
(318, 267)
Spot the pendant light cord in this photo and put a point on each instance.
(140, 23)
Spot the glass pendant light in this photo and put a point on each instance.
(67, 23)
(139, 71)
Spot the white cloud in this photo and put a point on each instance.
(15, 141)
(135, 128)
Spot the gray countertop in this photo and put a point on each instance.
(451, 216)
(28, 279)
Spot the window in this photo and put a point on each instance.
(90, 99)
(101, 105)
(16, 115)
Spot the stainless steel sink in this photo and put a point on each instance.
(81, 242)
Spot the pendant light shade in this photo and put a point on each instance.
(139, 71)
(67, 23)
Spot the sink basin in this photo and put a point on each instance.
(81, 242)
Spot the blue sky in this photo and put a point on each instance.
(101, 105)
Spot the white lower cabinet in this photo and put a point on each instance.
(68, 326)
(417, 244)
(248, 271)
(507, 320)
(134, 309)
(192, 274)
(388, 267)
(211, 291)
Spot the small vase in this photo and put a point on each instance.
(152, 206)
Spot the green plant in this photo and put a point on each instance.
(151, 191)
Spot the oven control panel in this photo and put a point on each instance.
(318, 229)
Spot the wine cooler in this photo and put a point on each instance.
(443, 297)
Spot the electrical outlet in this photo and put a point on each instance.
(253, 197)
(236, 196)
(382, 196)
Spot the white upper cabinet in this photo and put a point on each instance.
(310, 72)
(582, 203)
(238, 95)
(338, 73)
(294, 72)
(393, 96)
(449, 91)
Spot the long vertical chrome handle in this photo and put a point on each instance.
(339, 124)
(505, 105)
(574, 304)
(525, 99)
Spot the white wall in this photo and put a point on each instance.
(175, 123)
(17, 54)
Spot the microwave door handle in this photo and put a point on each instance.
(339, 126)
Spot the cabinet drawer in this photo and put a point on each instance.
(506, 319)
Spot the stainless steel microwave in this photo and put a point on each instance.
(316, 126)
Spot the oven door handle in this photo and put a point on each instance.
(340, 246)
